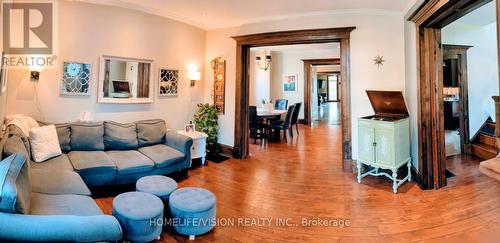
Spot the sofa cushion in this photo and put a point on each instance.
(44, 143)
(150, 132)
(84, 160)
(118, 136)
(77, 205)
(162, 155)
(131, 161)
(15, 185)
(58, 163)
(63, 134)
(58, 182)
(87, 136)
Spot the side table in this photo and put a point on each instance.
(199, 148)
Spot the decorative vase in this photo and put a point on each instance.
(268, 107)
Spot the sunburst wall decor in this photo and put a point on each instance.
(379, 60)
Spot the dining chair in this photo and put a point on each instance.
(258, 130)
(284, 125)
(281, 104)
(295, 117)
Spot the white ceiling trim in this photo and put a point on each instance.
(199, 24)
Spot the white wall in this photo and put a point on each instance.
(86, 32)
(260, 81)
(482, 67)
(377, 33)
(290, 63)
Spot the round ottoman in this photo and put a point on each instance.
(192, 210)
(160, 186)
(140, 215)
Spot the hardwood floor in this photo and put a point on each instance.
(304, 180)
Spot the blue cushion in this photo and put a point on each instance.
(195, 208)
(58, 182)
(15, 185)
(160, 186)
(95, 167)
(118, 136)
(130, 161)
(59, 163)
(192, 199)
(87, 136)
(150, 132)
(78, 205)
(162, 155)
(139, 214)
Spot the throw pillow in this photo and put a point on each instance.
(15, 185)
(44, 143)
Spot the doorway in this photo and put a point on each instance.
(429, 19)
(243, 45)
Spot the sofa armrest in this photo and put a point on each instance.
(179, 142)
(21, 227)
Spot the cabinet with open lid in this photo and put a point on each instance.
(384, 138)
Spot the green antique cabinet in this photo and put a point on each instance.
(384, 138)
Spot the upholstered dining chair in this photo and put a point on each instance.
(284, 125)
(258, 130)
(281, 104)
(295, 117)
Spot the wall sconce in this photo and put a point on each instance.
(35, 70)
(194, 75)
(264, 64)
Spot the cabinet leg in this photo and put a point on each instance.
(359, 172)
(409, 170)
(202, 160)
(394, 181)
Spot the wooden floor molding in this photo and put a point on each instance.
(304, 180)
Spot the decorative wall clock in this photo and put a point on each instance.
(75, 79)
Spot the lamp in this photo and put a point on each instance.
(264, 64)
(193, 74)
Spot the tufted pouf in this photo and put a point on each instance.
(138, 214)
(160, 186)
(192, 210)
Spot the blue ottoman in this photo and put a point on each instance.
(160, 186)
(194, 210)
(140, 215)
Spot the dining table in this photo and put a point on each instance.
(270, 114)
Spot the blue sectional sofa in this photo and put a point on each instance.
(59, 206)
(111, 153)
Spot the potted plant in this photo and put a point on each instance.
(206, 121)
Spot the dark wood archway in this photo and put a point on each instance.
(243, 45)
(429, 19)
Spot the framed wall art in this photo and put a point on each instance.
(75, 79)
(289, 83)
(219, 67)
(168, 82)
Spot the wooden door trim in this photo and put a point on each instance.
(311, 36)
(308, 63)
(429, 19)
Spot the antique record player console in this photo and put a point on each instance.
(384, 138)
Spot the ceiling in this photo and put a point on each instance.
(228, 13)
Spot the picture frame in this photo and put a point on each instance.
(75, 79)
(168, 82)
(289, 83)
(189, 128)
(3, 74)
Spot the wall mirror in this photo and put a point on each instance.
(125, 80)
